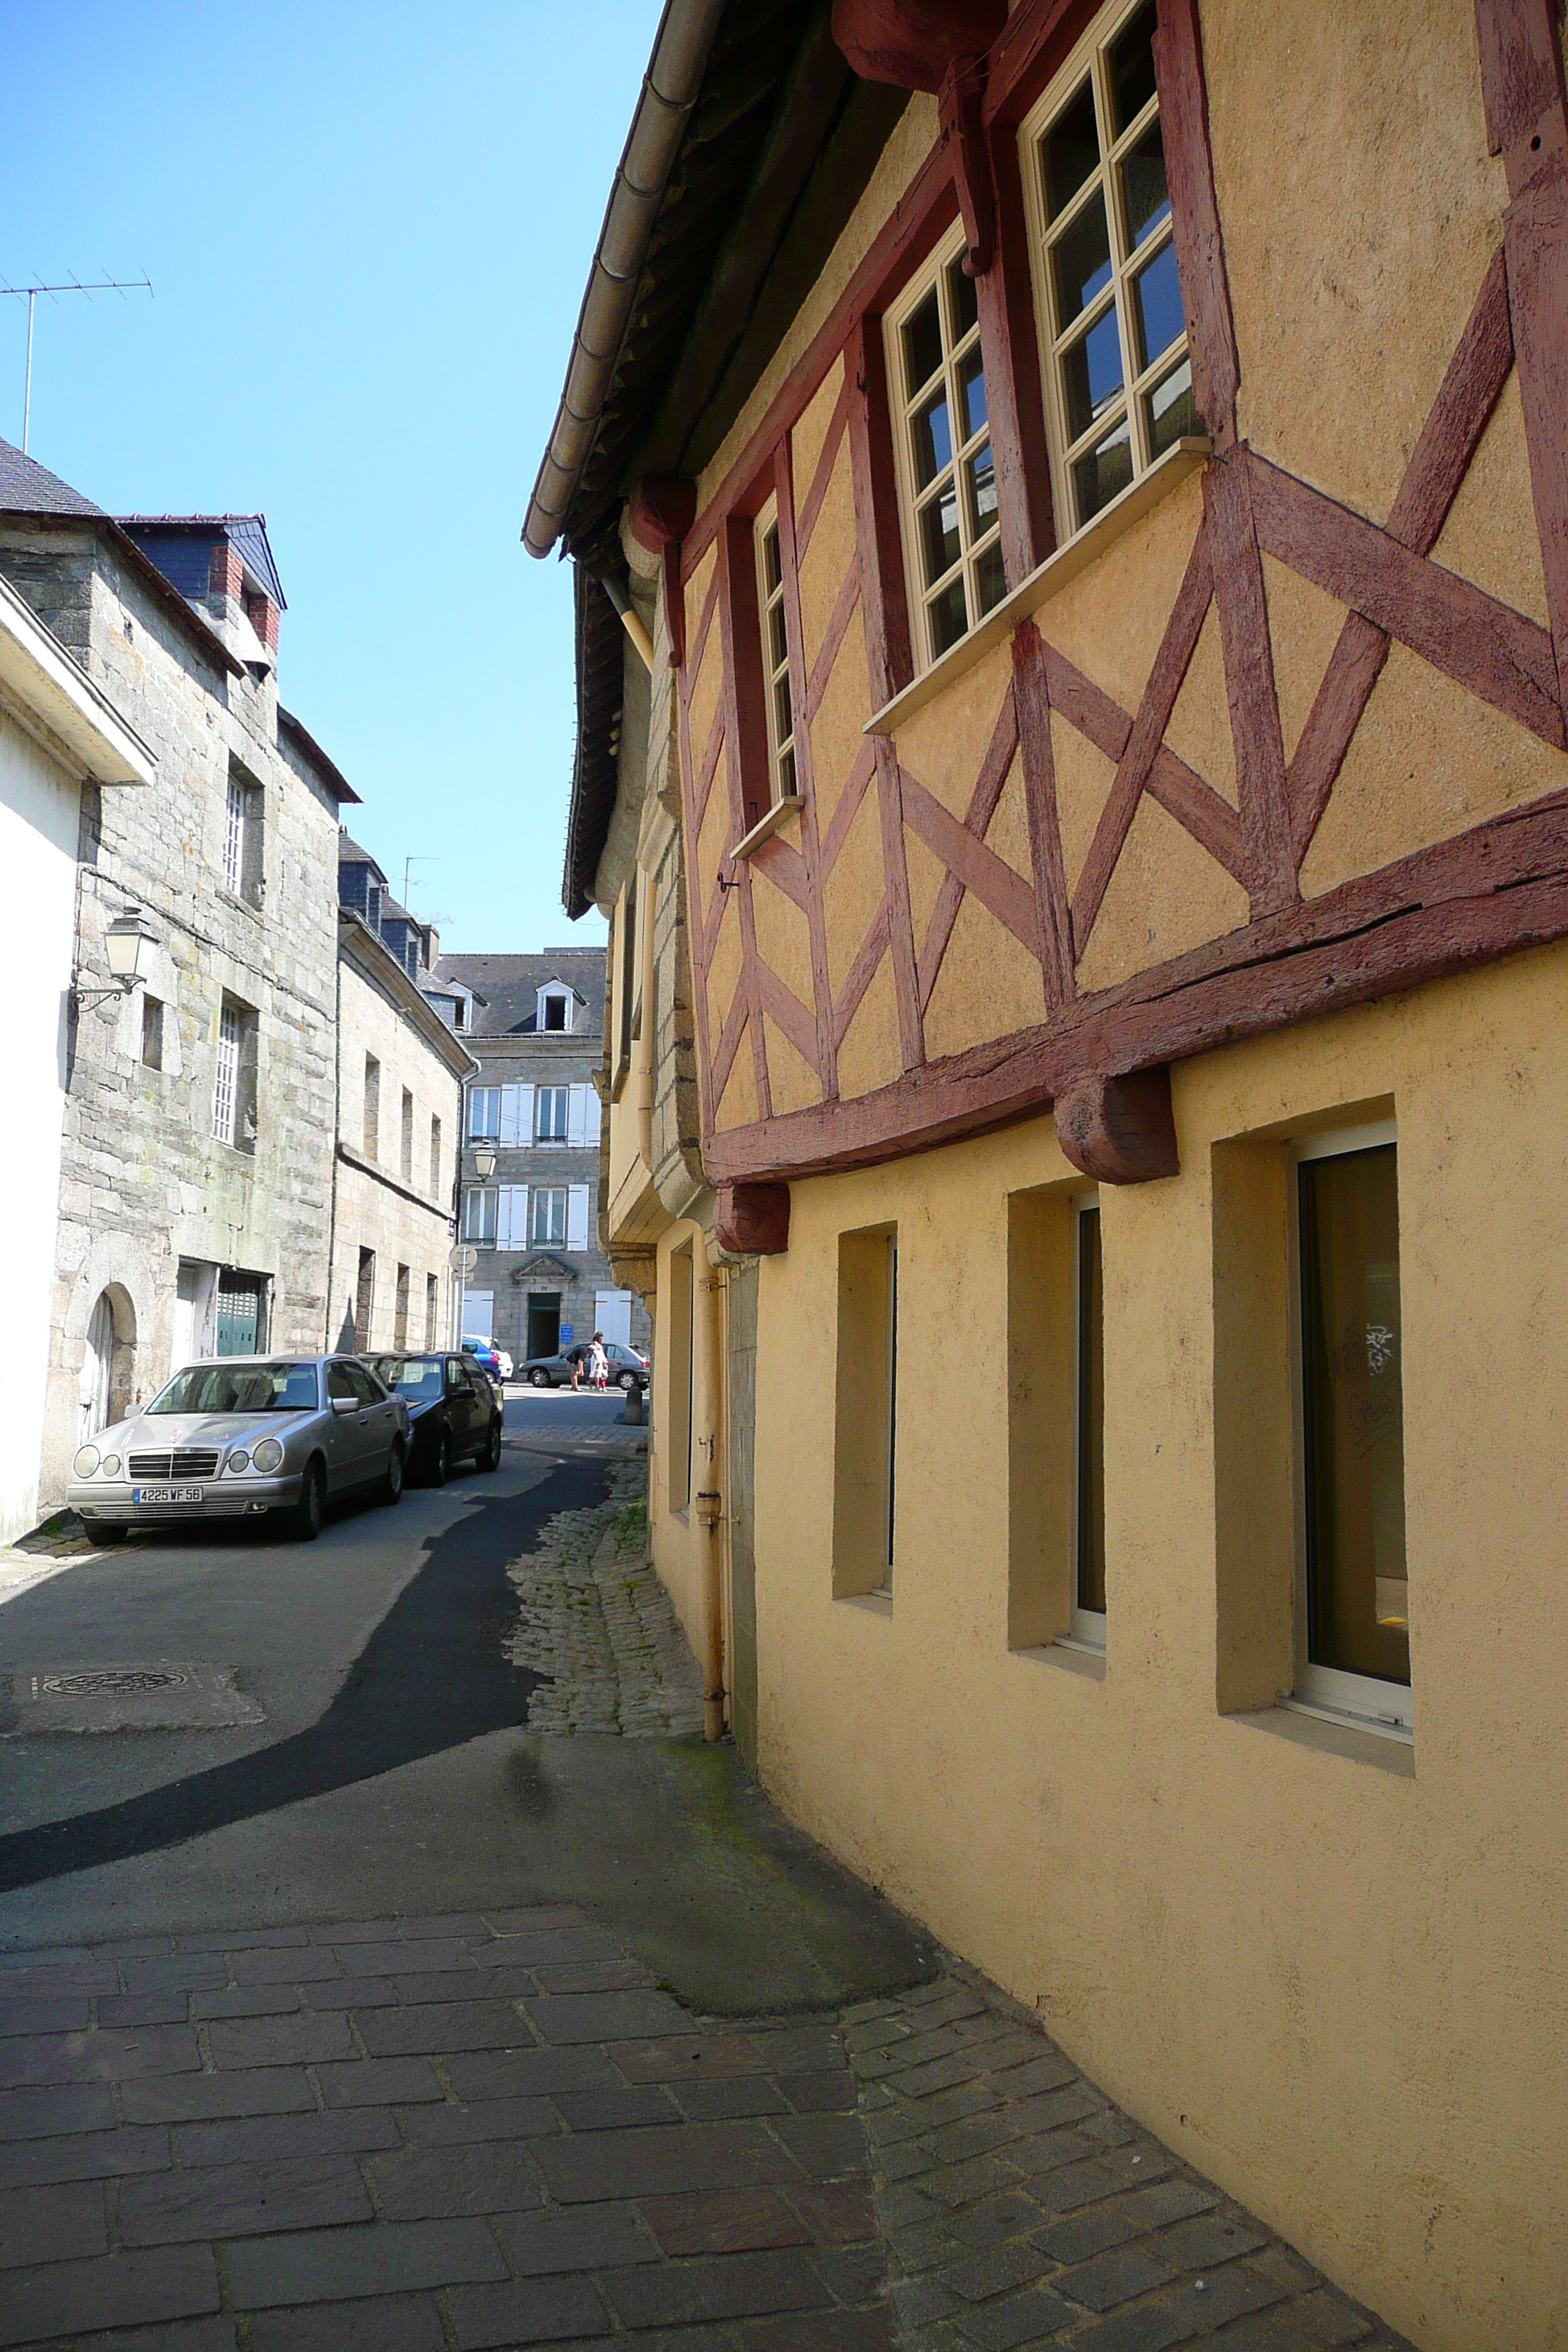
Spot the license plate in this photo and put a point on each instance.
(168, 1494)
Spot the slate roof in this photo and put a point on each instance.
(28, 487)
(351, 853)
(506, 987)
(245, 531)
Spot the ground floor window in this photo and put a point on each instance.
(432, 1308)
(1089, 1415)
(364, 1299)
(1353, 1627)
(400, 1310)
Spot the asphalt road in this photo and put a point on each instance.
(393, 1771)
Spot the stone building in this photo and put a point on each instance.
(59, 733)
(400, 1104)
(1087, 482)
(536, 1023)
(195, 1183)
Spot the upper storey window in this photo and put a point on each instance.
(554, 1010)
(1121, 382)
(947, 478)
(775, 657)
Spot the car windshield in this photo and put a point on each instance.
(414, 1376)
(240, 1387)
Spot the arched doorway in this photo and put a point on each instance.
(104, 1389)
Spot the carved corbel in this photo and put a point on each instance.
(752, 1220)
(1119, 1131)
(937, 46)
(659, 515)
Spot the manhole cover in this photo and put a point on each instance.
(113, 1683)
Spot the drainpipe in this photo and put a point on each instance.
(710, 1503)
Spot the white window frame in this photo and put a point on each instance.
(233, 835)
(550, 1093)
(1088, 1625)
(479, 1130)
(902, 406)
(226, 1078)
(479, 1207)
(545, 1196)
(1330, 1692)
(1088, 60)
(554, 991)
(783, 788)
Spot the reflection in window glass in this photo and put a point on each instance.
(953, 541)
(1357, 1616)
(1114, 318)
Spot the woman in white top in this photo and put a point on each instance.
(600, 1361)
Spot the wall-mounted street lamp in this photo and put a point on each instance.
(485, 1162)
(129, 942)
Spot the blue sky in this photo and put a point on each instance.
(368, 230)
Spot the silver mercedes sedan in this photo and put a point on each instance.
(242, 1436)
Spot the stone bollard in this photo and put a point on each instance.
(634, 1414)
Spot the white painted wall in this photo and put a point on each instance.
(40, 813)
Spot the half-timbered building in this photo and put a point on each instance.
(1069, 508)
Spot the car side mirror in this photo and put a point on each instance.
(345, 1404)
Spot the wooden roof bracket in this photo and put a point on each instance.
(659, 515)
(937, 46)
(752, 1220)
(1119, 1131)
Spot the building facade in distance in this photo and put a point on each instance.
(1082, 793)
(196, 1170)
(400, 1106)
(535, 1025)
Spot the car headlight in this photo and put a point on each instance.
(86, 1462)
(109, 1465)
(239, 1459)
(268, 1455)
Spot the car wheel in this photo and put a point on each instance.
(304, 1520)
(628, 1382)
(108, 1535)
(391, 1485)
(491, 1458)
(441, 1469)
(540, 1379)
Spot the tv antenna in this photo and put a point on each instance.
(121, 286)
(429, 858)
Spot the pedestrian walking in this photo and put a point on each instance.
(576, 1367)
(600, 1361)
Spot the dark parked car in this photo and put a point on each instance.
(454, 1412)
(628, 1371)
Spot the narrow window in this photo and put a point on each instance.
(234, 1083)
(234, 835)
(550, 1213)
(480, 1215)
(1353, 1638)
(946, 470)
(364, 1299)
(372, 1107)
(552, 1115)
(1121, 380)
(1088, 1401)
(407, 1157)
(435, 1158)
(400, 1310)
(553, 1009)
(432, 1307)
(866, 1414)
(775, 657)
(682, 1305)
(152, 1032)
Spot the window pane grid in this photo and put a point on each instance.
(1120, 376)
(234, 836)
(550, 1213)
(775, 662)
(956, 553)
(225, 1085)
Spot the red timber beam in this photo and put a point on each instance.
(752, 1220)
(1119, 1131)
(937, 46)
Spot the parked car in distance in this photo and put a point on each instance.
(628, 1370)
(496, 1361)
(245, 1437)
(454, 1412)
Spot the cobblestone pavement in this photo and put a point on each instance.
(594, 1617)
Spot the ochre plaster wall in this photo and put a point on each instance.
(681, 1545)
(1334, 1986)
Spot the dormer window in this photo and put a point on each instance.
(555, 1009)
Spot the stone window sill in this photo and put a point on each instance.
(1386, 1748)
(877, 1603)
(1183, 458)
(1074, 1657)
(766, 826)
